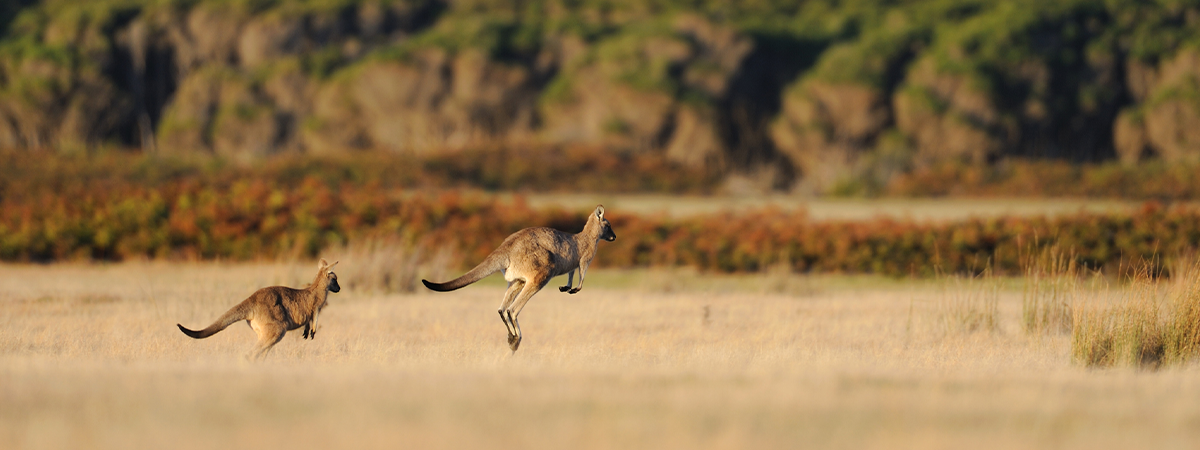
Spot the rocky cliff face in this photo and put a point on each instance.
(243, 83)
(250, 84)
(431, 101)
(216, 76)
(653, 88)
(1163, 122)
(1067, 82)
(827, 94)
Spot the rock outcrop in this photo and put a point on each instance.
(825, 95)
(1165, 123)
(655, 87)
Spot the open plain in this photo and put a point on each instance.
(90, 358)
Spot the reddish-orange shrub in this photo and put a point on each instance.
(120, 208)
(253, 219)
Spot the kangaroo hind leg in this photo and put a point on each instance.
(514, 287)
(532, 287)
(268, 335)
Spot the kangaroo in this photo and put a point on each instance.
(529, 259)
(273, 311)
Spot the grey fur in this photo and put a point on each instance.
(529, 259)
(273, 311)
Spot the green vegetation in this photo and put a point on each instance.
(906, 85)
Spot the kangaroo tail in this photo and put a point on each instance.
(492, 264)
(234, 315)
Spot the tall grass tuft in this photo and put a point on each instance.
(1182, 331)
(970, 303)
(1052, 284)
(1128, 334)
(388, 265)
(1154, 324)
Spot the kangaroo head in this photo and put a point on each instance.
(324, 269)
(606, 231)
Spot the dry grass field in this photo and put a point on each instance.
(90, 358)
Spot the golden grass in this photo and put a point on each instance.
(90, 358)
(1152, 324)
(389, 265)
(970, 304)
(1054, 285)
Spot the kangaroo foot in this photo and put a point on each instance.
(573, 291)
(514, 342)
(564, 288)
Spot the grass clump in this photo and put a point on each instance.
(1052, 285)
(390, 265)
(971, 304)
(1154, 324)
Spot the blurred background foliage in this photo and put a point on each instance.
(264, 129)
(823, 96)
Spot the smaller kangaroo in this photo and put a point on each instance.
(273, 311)
(529, 259)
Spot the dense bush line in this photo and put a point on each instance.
(227, 218)
(757, 241)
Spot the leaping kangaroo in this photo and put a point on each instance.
(273, 311)
(529, 259)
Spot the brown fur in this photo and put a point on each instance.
(529, 259)
(273, 311)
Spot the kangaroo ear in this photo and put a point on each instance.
(600, 211)
(334, 264)
(323, 264)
